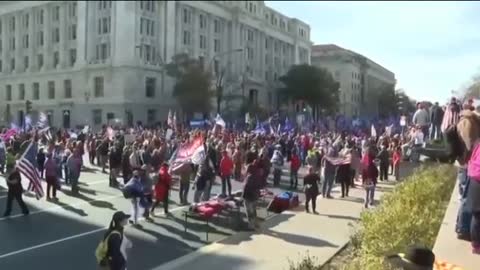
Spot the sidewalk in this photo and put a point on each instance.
(285, 237)
(447, 246)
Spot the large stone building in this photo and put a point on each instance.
(92, 62)
(361, 79)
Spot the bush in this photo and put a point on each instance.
(411, 214)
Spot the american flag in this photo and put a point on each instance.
(27, 165)
(450, 118)
(42, 120)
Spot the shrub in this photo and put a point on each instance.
(411, 214)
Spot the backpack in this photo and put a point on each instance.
(102, 249)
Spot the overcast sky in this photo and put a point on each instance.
(432, 47)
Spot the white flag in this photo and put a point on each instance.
(373, 131)
(219, 121)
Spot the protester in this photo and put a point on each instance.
(295, 164)
(369, 178)
(74, 164)
(310, 183)
(115, 260)
(162, 188)
(250, 196)
(226, 169)
(51, 177)
(15, 191)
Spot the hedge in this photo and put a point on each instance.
(411, 214)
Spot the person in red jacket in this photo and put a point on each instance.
(295, 164)
(162, 188)
(226, 170)
(396, 158)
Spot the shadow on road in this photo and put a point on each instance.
(298, 239)
(70, 208)
(91, 201)
(340, 217)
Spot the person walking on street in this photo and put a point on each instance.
(74, 164)
(15, 191)
(329, 170)
(251, 194)
(147, 183)
(295, 164)
(51, 177)
(369, 178)
(277, 163)
(185, 174)
(115, 259)
(226, 169)
(162, 188)
(384, 158)
(310, 183)
(135, 190)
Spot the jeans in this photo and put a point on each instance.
(464, 216)
(226, 185)
(345, 186)
(328, 184)
(135, 210)
(396, 171)
(277, 174)
(436, 133)
(293, 179)
(369, 194)
(251, 211)
(183, 193)
(67, 173)
(207, 190)
(74, 182)
(384, 171)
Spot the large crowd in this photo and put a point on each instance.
(150, 160)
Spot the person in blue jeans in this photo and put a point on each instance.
(464, 216)
(328, 175)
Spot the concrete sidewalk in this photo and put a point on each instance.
(447, 246)
(285, 237)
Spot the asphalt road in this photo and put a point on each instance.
(64, 235)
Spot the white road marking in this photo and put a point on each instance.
(2, 256)
(44, 186)
(52, 209)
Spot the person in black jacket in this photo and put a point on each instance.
(437, 118)
(115, 258)
(15, 191)
(310, 182)
(115, 163)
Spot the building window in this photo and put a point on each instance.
(250, 35)
(106, 25)
(40, 60)
(73, 32)
(216, 66)
(56, 13)
(25, 41)
(12, 44)
(73, 57)
(216, 45)
(250, 53)
(151, 116)
(40, 17)
(21, 91)
(25, 20)
(12, 64)
(1, 65)
(51, 90)
(40, 38)
(36, 91)
(150, 84)
(8, 92)
(98, 86)
(216, 26)
(266, 43)
(67, 85)
(104, 51)
(56, 35)
(250, 7)
(186, 16)
(97, 116)
(26, 62)
(203, 42)
(73, 10)
(12, 24)
(55, 59)
(203, 21)
(186, 37)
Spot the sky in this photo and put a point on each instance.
(432, 47)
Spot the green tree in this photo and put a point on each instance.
(192, 88)
(387, 102)
(473, 87)
(315, 86)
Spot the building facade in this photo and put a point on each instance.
(94, 62)
(361, 79)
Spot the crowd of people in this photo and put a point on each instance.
(146, 161)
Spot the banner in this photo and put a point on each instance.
(193, 152)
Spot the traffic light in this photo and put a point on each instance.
(28, 106)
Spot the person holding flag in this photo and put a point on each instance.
(15, 191)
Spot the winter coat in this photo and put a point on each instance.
(226, 166)
(163, 185)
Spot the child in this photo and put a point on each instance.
(295, 164)
(396, 158)
(226, 169)
(369, 177)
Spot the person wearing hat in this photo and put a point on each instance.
(419, 258)
(116, 260)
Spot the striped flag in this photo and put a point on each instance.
(42, 120)
(27, 165)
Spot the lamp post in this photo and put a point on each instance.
(219, 77)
